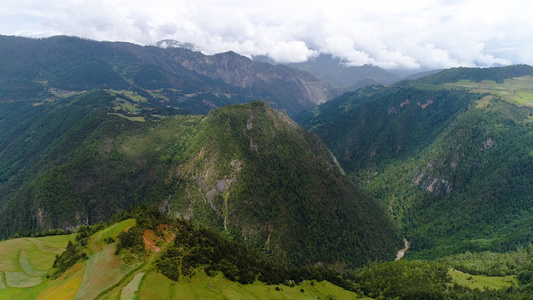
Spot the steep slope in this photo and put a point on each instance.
(334, 72)
(74, 161)
(36, 68)
(261, 178)
(448, 155)
(283, 87)
(248, 171)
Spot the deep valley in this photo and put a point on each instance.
(140, 172)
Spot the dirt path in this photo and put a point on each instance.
(401, 253)
(143, 268)
(149, 239)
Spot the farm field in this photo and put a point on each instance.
(24, 263)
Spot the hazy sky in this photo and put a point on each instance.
(408, 34)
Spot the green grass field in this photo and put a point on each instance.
(29, 293)
(97, 240)
(516, 90)
(481, 281)
(2, 281)
(130, 290)
(24, 261)
(21, 280)
(66, 286)
(134, 96)
(135, 119)
(201, 286)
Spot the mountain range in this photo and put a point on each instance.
(73, 157)
(448, 155)
(157, 156)
(173, 77)
(336, 73)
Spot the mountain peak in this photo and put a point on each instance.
(169, 43)
(246, 178)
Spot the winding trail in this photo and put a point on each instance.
(401, 253)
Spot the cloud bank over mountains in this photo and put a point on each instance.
(389, 34)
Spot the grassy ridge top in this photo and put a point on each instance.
(517, 90)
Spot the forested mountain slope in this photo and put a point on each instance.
(248, 171)
(274, 184)
(449, 155)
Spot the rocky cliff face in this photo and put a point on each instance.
(277, 84)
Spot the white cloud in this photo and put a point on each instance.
(390, 34)
(294, 51)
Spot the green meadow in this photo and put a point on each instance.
(516, 90)
(201, 286)
(103, 270)
(97, 240)
(24, 263)
(481, 281)
(130, 94)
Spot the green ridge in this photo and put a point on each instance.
(448, 156)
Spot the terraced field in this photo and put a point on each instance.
(24, 263)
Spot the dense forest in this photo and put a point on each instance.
(451, 165)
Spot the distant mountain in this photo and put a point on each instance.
(176, 44)
(361, 84)
(32, 69)
(334, 72)
(283, 87)
(448, 154)
(421, 74)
